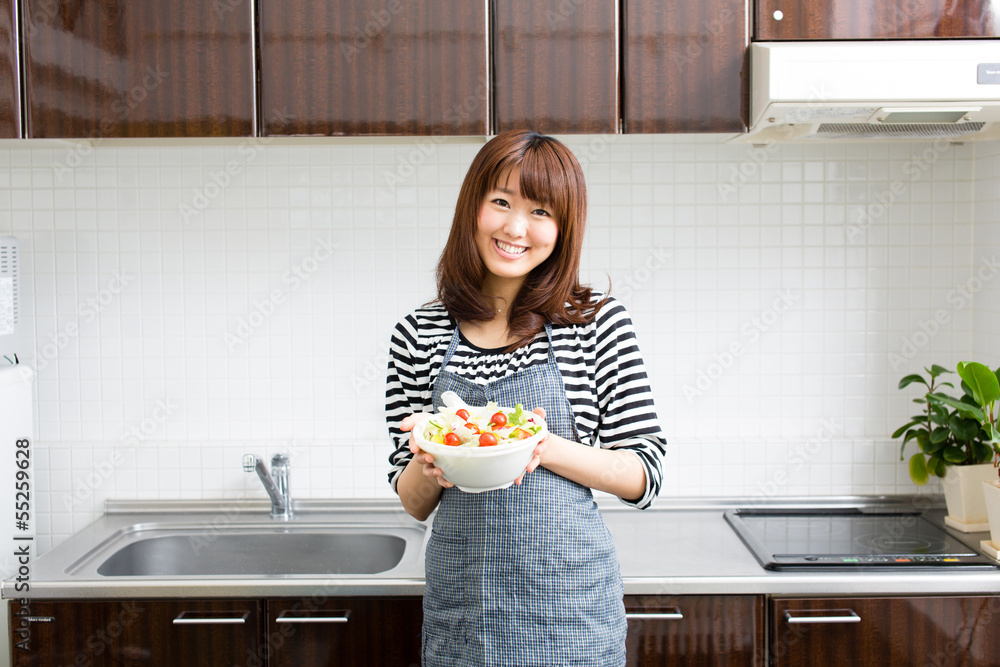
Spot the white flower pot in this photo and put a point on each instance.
(991, 494)
(963, 494)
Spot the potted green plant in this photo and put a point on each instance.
(982, 393)
(952, 446)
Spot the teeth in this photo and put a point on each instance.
(514, 250)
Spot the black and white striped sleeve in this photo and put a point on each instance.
(407, 389)
(628, 418)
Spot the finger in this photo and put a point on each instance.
(540, 411)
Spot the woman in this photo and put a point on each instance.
(525, 575)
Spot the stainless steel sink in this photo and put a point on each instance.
(264, 551)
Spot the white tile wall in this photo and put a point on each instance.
(984, 281)
(192, 302)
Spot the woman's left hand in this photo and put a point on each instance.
(536, 456)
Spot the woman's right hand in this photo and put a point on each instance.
(420, 457)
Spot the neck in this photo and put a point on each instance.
(502, 293)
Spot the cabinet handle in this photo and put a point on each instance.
(837, 616)
(673, 615)
(337, 616)
(207, 618)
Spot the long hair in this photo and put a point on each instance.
(551, 175)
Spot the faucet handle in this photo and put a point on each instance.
(279, 460)
(249, 463)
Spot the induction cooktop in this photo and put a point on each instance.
(842, 538)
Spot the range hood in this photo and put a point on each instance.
(872, 91)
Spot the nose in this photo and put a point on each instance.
(517, 225)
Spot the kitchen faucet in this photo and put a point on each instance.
(276, 487)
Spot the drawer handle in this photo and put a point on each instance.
(673, 615)
(206, 618)
(342, 616)
(838, 616)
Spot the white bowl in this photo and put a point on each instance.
(477, 469)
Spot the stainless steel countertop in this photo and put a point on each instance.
(678, 547)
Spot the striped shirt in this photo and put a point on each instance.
(601, 367)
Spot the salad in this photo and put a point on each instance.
(494, 426)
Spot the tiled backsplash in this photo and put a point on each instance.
(192, 302)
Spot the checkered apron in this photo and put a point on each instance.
(524, 576)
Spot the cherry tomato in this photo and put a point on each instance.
(487, 440)
(499, 420)
(462, 414)
(521, 434)
(473, 427)
(452, 439)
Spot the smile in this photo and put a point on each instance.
(508, 248)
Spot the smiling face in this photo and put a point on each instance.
(514, 235)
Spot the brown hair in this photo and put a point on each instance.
(551, 175)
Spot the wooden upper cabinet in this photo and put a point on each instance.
(374, 67)
(685, 66)
(138, 68)
(10, 105)
(876, 19)
(556, 66)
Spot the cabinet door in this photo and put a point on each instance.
(10, 103)
(122, 633)
(138, 68)
(374, 67)
(885, 631)
(875, 19)
(684, 66)
(344, 632)
(694, 630)
(556, 66)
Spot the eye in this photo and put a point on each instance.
(501, 202)
(541, 212)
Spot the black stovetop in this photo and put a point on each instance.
(843, 538)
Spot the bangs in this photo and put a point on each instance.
(546, 176)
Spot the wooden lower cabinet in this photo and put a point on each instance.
(126, 633)
(346, 632)
(695, 630)
(931, 631)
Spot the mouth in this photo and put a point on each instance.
(509, 250)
